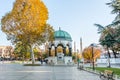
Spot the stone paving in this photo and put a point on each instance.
(20, 72)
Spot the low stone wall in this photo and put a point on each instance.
(112, 61)
(116, 77)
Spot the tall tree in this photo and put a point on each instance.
(49, 33)
(115, 5)
(107, 37)
(21, 50)
(26, 22)
(110, 34)
(87, 53)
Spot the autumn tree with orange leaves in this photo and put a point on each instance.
(87, 54)
(26, 23)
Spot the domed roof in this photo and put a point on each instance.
(60, 34)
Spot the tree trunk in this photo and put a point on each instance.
(32, 54)
(23, 58)
(114, 54)
(108, 53)
(109, 56)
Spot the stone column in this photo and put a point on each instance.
(70, 52)
(49, 51)
(55, 51)
(64, 51)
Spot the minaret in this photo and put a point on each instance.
(80, 45)
(75, 47)
(81, 50)
(75, 51)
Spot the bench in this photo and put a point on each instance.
(107, 74)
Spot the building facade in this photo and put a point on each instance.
(5, 52)
(60, 51)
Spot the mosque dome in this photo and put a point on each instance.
(63, 35)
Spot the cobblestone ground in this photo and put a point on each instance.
(20, 72)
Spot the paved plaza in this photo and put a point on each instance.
(20, 72)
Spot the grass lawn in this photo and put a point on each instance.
(116, 70)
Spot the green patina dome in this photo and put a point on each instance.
(60, 34)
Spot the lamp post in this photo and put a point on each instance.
(93, 57)
(92, 51)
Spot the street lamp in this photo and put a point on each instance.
(92, 46)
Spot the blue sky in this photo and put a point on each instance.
(77, 17)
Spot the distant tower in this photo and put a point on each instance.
(80, 45)
(75, 47)
(75, 51)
